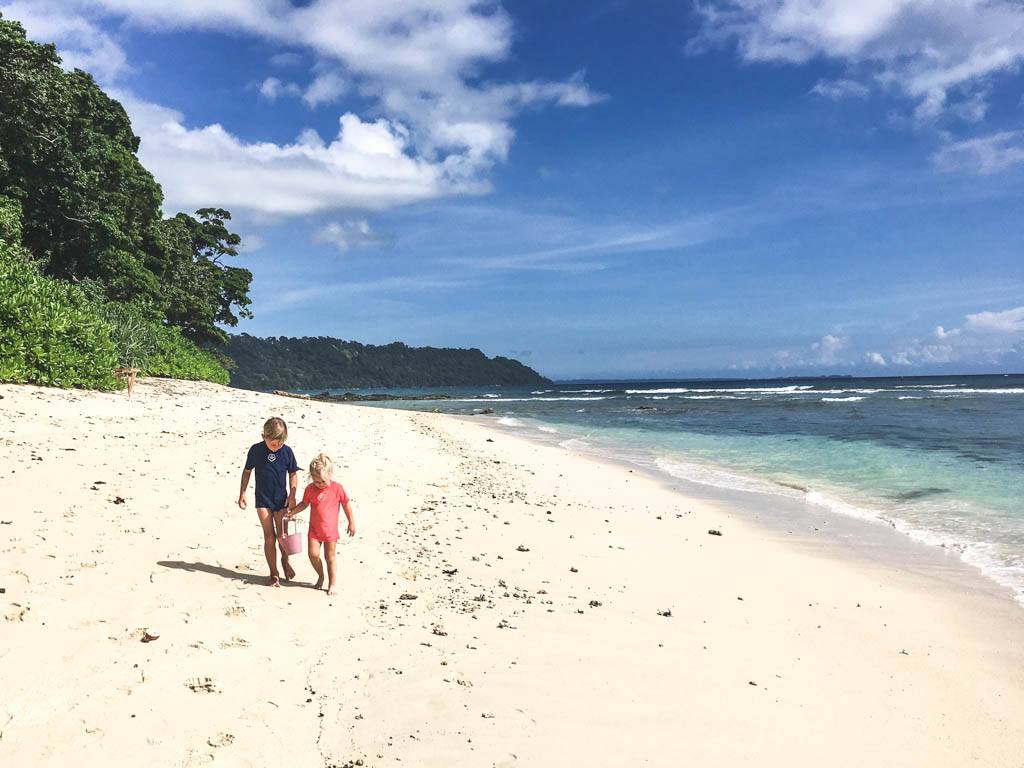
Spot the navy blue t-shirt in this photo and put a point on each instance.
(271, 474)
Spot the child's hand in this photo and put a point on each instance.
(351, 529)
(241, 502)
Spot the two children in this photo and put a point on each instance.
(276, 482)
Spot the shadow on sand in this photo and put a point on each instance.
(224, 573)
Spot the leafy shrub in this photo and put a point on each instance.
(60, 334)
(50, 331)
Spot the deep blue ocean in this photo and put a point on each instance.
(940, 458)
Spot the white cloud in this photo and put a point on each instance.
(84, 45)
(348, 234)
(273, 88)
(326, 88)
(983, 155)
(840, 89)
(875, 358)
(1010, 321)
(985, 337)
(417, 62)
(929, 50)
(366, 166)
(829, 347)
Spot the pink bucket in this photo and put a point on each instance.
(291, 543)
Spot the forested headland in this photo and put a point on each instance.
(326, 363)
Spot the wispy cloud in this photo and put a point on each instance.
(345, 235)
(388, 286)
(983, 155)
(937, 53)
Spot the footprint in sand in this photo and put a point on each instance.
(201, 685)
(234, 610)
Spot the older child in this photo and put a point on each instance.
(324, 496)
(273, 461)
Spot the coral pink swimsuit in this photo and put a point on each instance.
(324, 505)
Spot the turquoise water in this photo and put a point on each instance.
(941, 459)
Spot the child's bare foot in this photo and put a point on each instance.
(274, 581)
(319, 583)
(331, 590)
(289, 572)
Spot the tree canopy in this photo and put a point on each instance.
(86, 207)
(326, 363)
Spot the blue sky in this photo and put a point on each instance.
(601, 189)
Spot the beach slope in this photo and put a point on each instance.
(503, 603)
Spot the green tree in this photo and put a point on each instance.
(199, 289)
(67, 155)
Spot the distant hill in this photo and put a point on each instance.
(325, 363)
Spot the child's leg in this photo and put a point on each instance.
(329, 549)
(269, 543)
(314, 558)
(289, 572)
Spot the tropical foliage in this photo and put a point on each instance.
(111, 272)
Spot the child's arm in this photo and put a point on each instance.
(245, 484)
(298, 509)
(293, 481)
(347, 506)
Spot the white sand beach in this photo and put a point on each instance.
(504, 603)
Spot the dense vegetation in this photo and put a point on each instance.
(91, 276)
(325, 363)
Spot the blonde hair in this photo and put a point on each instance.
(321, 467)
(275, 429)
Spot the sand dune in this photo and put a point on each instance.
(504, 603)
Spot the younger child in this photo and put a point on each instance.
(272, 460)
(324, 496)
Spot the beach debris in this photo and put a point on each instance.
(489, 440)
(595, 603)
(503, 624)
(573, 569)
(6, 522)
(220, 740)
(486, 411)
(714, 532)
(522, 548)
(667, 613)
(3, 590)
(487, 715)
(438, 630)
(449, 571)
(119, 500)
(149, 635)
(904, 652)
(407, 596)
(201, 685)
(751, 682)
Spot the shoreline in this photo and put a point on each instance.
(502, 604)
(861, 534)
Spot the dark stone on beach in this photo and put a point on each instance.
(574, 569)
(521, 548)
(450, 571)
(667, 613)
(714, 532)
(595, 603)
(489, 440)
(407, 596)
(118, 500)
